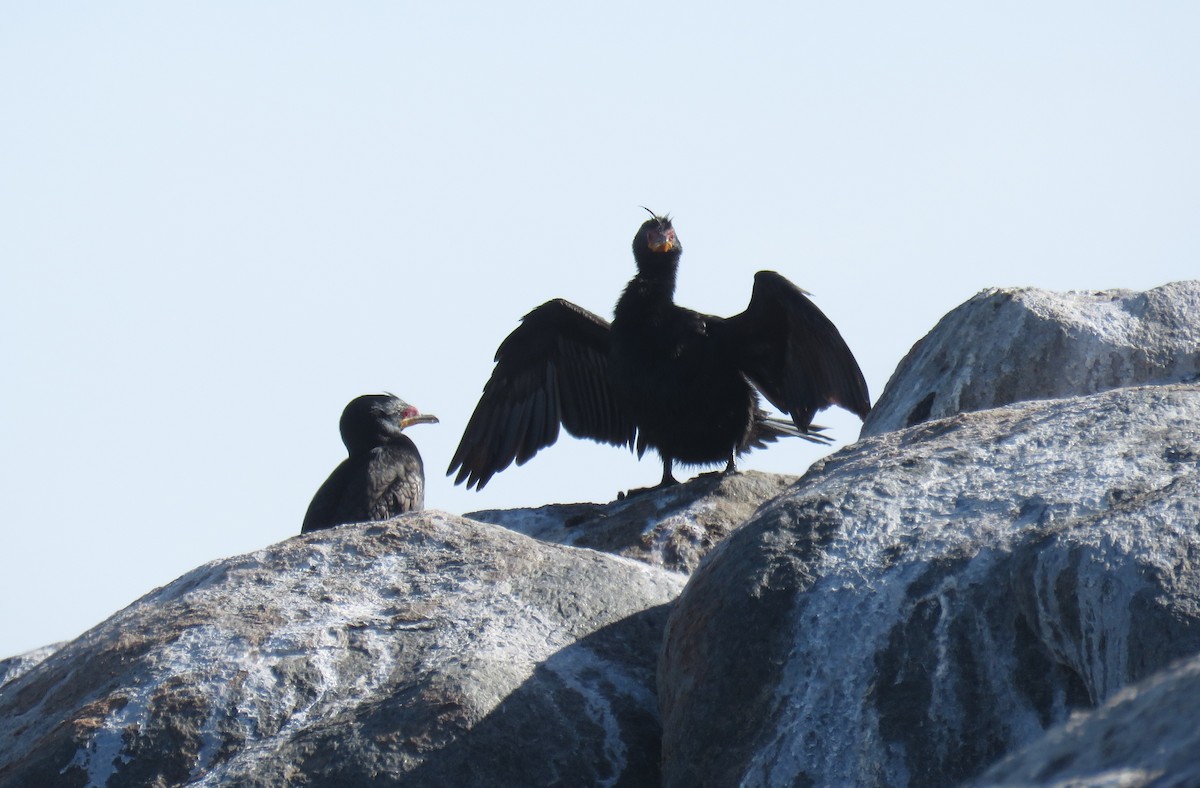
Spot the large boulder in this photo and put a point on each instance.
(673, 527)
(1015, 344)
(926, 600)
(428, 649)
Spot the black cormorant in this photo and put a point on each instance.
(383, 476)
(661, 376)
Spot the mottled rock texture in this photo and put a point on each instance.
(1015, 344)
(15, 667)
(429, 650)
(927, 600)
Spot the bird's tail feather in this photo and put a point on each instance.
(768, 430)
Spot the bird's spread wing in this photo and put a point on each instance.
(793, 353)
(551, 371)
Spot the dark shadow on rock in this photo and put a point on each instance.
(733, 690)
(915, 709)
(1058, 666)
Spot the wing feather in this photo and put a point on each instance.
(794, 354)
(396, 481)
(551, 372)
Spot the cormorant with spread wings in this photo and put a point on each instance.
(661, 376)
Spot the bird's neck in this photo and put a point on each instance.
(646, 291)
(656, 282)
(362, 445)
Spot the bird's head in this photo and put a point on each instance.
(656, 245)
(377, 419)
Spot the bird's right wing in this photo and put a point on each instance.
(551, 371)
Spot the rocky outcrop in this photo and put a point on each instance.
(428, 649)
(927, 600)
(997, 583)
(673, 528)
(15, 667)
(1015, 344)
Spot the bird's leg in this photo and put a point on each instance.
(729, 470)
(668, 479)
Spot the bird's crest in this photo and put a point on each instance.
(666, 219)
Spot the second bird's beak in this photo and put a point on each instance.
(418, 418)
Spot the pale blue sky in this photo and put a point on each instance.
(220, 222)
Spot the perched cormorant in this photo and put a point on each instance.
(383, 476)
(661, 376)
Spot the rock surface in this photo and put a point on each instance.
(1008, 583)
(673, 528)
(429, 649)
(15, 667)
(1148, 734)
(926, 600)
(1016, 344)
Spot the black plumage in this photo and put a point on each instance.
(383, 476)
(661, 376)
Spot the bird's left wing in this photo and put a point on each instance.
(551, 370)
(793, 353)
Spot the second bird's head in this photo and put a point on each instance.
(656, 243)
(376, 419)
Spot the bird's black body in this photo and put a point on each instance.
(382, 477)
(661, 376)
(679, 381)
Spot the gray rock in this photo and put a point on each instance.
(927, 600)
(673, 528)
(1016, 344)
(1147, 734)
(916, 607)
(14, 667)
(427, 649)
